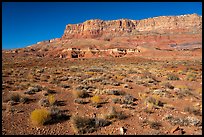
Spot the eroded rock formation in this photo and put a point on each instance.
(123, 37)
(163, 24)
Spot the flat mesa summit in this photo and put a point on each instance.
(123, 37)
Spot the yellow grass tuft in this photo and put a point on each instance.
(96, 99)
(51, 99)
(40, 116)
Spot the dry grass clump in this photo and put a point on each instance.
(90, 73)
(181, 87)
(153, 124)
(54, 80)
(199, 90)
(24, 99)
(172, 76)
(191, 77)
(33, 90)
(82, 125)
(15, 97)
(51, 99)
(153, 102)
(44, 102)
(40, 116)
(119, 77)
(117, 100)
(80, 101)
(95, 69)
(183, 91)
(48, 101)
(167, 85)
(96, 99)
(50, 91)
(193, 110)
(181, 72)
(80, 94)
(142, 95)
(128, 99)
(57, 115)
(186, 121)
(113, 114)
(116, 92)
(64, 85)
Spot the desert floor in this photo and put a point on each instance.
(101, 95)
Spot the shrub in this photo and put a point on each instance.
(80, 101)
(155, 125)
(115, 92)
(113, 114)
(96, 99)
(50, 91)
(167, 85)
(51, 99)
(183, 91)
(186, 121)
(193, 110)
(24, 99)
(172, 77)
(181, 87)
(80, 94)
(142, 95)
(148, 109)
(33, 90)
(65, 86)
(153, 102)
(128, 99)
(44, 102)
(199, 90)
(15, 97)
(119, 77)
(90, 73)
(84, 125)
(191, 77)
(117, 100)
(57, 115)
(40, 116)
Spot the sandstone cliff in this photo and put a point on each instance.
(148, 37)
(163, 24)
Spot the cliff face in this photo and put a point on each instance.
(123, 37)
(163, 24)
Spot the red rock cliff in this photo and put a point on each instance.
(163, 24)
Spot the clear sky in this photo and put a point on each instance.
(26, 23)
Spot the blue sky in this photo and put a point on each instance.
(26, 23)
